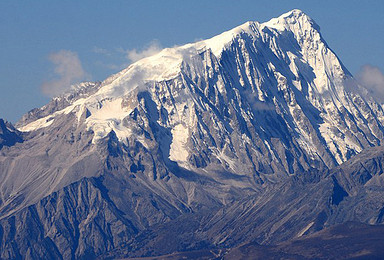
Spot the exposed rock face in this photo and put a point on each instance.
(303, 205)
(348, 241)
(233, 139)
(351, 240)
(58, 103)
(9, 134)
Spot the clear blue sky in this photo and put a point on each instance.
(99, 32)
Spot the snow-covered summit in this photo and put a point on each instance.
(166, 64)
(282, 66)
(292, 20)
(295, 21)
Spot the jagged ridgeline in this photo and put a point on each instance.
(244, 137)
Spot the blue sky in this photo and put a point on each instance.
(101, 37)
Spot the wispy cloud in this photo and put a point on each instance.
(371, 78)
(67, 69)
(120, 58)
(151, 49)
(103, 51)
(109, 66)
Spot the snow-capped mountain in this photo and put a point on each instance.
(190, 130)
(274, 89)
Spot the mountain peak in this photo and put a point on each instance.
(166, 65)
(293, 21)
(294, 12)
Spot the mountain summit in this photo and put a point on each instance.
(183, 136)
(282, 70)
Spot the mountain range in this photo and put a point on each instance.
(254, 138)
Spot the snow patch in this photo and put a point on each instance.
(107, 116)
(301, 233)
(40, 123)
(178, 151)
(225, 159)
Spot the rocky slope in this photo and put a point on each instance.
(351, 240)
(345, 241)
(303, 205)
(9, 135)
(211, 144)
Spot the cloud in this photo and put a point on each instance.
(103, 51)
(371, 78)
(262, 106)
(120, 58)
(255, 103)
(135, 55)
(67, 69)
(109, 66)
